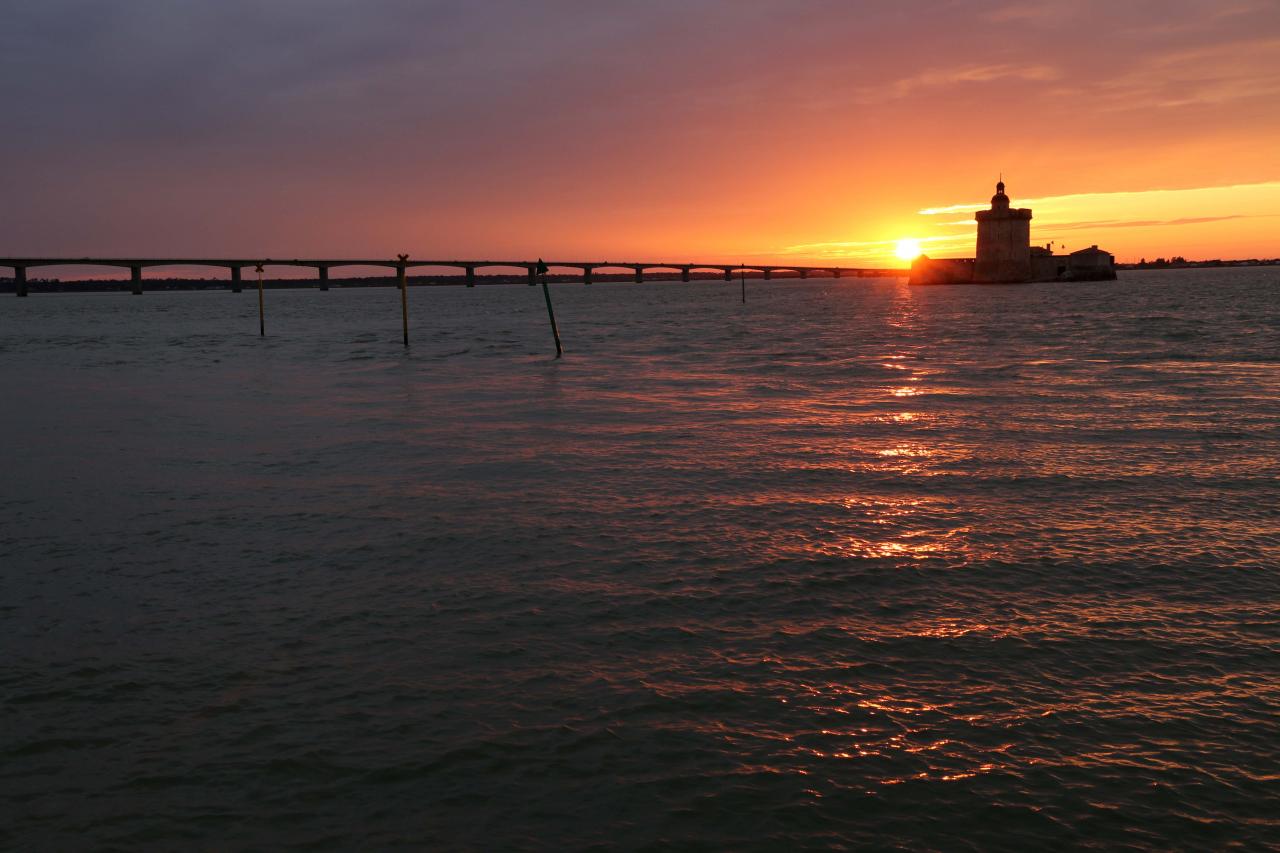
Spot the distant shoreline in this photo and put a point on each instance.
(1184, 264)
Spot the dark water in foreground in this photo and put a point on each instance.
(853, 565)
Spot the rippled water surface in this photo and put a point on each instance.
(851, 565)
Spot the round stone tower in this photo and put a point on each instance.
(1004, 241)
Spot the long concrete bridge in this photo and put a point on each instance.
(468, 268)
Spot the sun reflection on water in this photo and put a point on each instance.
(909, 530)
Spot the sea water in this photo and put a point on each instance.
(850, 565)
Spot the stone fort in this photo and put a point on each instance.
(1005, 255)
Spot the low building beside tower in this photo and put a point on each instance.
(1005, 254)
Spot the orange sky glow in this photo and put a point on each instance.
(760, 131)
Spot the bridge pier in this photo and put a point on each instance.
(684, 273)
(728, 273)
(471, 276)
(804, 273)
(835, 273)
(235, 280)
(586, 274)
(639, 275)
(20, 281)
(403, 281)
(768, 273)
(324, 277)
(135, 274)
(533, 275)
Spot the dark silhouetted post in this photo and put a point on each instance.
(235, 280)
(744, 287)
(135, 274)
(551, 312)
(262, 317)
(404, 296)
(324, 277)
(20, 281)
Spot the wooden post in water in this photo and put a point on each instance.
(20, 281)
(135, 273)
(551, 312)
(262, 317)
(404, 296)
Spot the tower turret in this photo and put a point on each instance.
(1000, 201)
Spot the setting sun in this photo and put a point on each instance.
(908, 249)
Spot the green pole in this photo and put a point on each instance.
(404, 296)
(551, 312)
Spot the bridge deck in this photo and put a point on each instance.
(391, 263)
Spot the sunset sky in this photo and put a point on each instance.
(713, 130)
